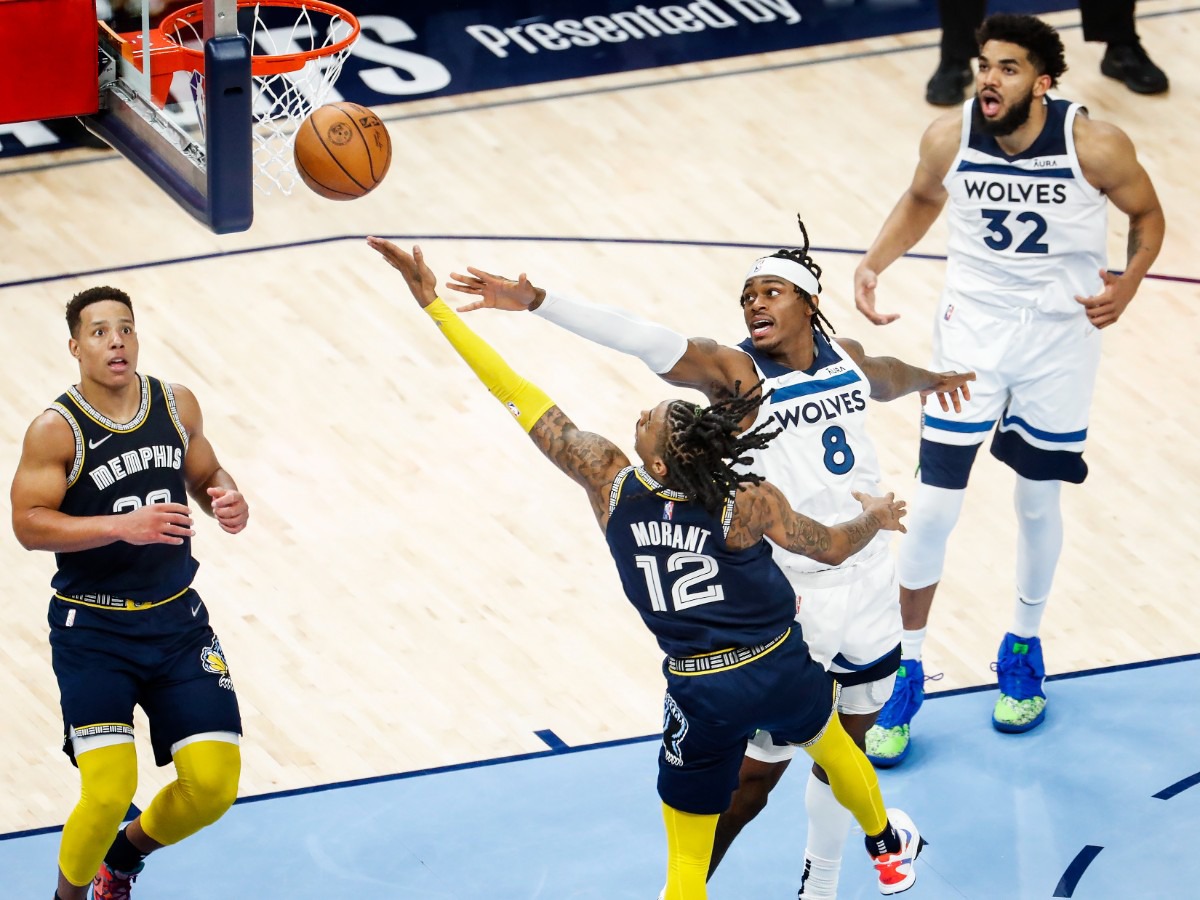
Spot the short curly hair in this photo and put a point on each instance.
(86, 298)
(1038, 39)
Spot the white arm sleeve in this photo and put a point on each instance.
(656, 345)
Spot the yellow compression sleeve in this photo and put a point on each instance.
(689, 849)
(205, 788)
(851, 776)
(524, 400)
(108, 776)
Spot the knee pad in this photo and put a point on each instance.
(1037, 501)
(206, 787)
(932, 517)
(108, 777)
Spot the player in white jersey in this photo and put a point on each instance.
(1028, 179)
(850, 613)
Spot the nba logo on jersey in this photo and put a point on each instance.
(949, 312)
(668, 510)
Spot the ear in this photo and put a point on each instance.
(1041, 86)
(73, 346)
(658, 468)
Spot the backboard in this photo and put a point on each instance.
(204, 96)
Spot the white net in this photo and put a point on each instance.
(282, 101)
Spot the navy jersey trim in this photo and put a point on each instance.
(825, 354)
(1052, 141)
(994, 169)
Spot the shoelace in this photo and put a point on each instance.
(1018, 671)
(900, 702)
(116, 887)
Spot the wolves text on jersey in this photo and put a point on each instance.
(824, 408)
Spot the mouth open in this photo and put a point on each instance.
(760, 327)
(989, 103)
(118, 364)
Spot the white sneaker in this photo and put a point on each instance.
(896, 870)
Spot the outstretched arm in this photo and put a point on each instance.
(698, 363)
(762, 510)
(1109, 161)
(912, 216)
(589, 459)
(891, 378)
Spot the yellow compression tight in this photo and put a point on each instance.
(108, 779)
(527, 402)
(689, 849)
(205, 788)
(851, 776)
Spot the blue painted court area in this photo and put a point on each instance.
(1096, 804)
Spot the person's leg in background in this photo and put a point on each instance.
(1111, 21)
(960, 19)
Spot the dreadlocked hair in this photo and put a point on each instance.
(800, 255)
(703, 445)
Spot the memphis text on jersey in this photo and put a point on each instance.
(159, 456)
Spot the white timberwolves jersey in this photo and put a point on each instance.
(1025, 230)
(823, 452)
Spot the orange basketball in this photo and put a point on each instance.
(342, 151)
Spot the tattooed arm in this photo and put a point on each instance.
(762, 510)
(591, 460)
(891, 378)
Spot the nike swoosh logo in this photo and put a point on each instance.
(92, 445)
(196, 608)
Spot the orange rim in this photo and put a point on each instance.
(265, 64)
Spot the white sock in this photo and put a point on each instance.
(828, 827)
(1027, 616)
(911, 642)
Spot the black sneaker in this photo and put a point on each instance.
(1131, 64)
(948, 83)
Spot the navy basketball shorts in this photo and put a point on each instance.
(708, 717)
(165, 659)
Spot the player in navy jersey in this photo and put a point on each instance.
(686, 531)
(103, 481)
(1028, 179)
(849, 611)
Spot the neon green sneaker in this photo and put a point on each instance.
(1022, 703)
(888, 739)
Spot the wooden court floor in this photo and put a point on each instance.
(417, 587)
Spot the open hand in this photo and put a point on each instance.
(865, 281)
(887, 510)
(156, 523)
(495, 291)
(418, 276)
(951, 389)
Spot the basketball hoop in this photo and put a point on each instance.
(297, 51)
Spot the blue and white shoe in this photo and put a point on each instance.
(1021, 672)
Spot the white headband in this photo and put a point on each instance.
(793, 271)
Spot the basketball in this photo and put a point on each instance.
(342, 151)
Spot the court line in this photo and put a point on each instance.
(481, 238)
(1070, 878)
(1178, 787)
(590, 92)
(559, 748)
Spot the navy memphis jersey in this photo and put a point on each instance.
(118, 468)
(823, 452)
(695, 594)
